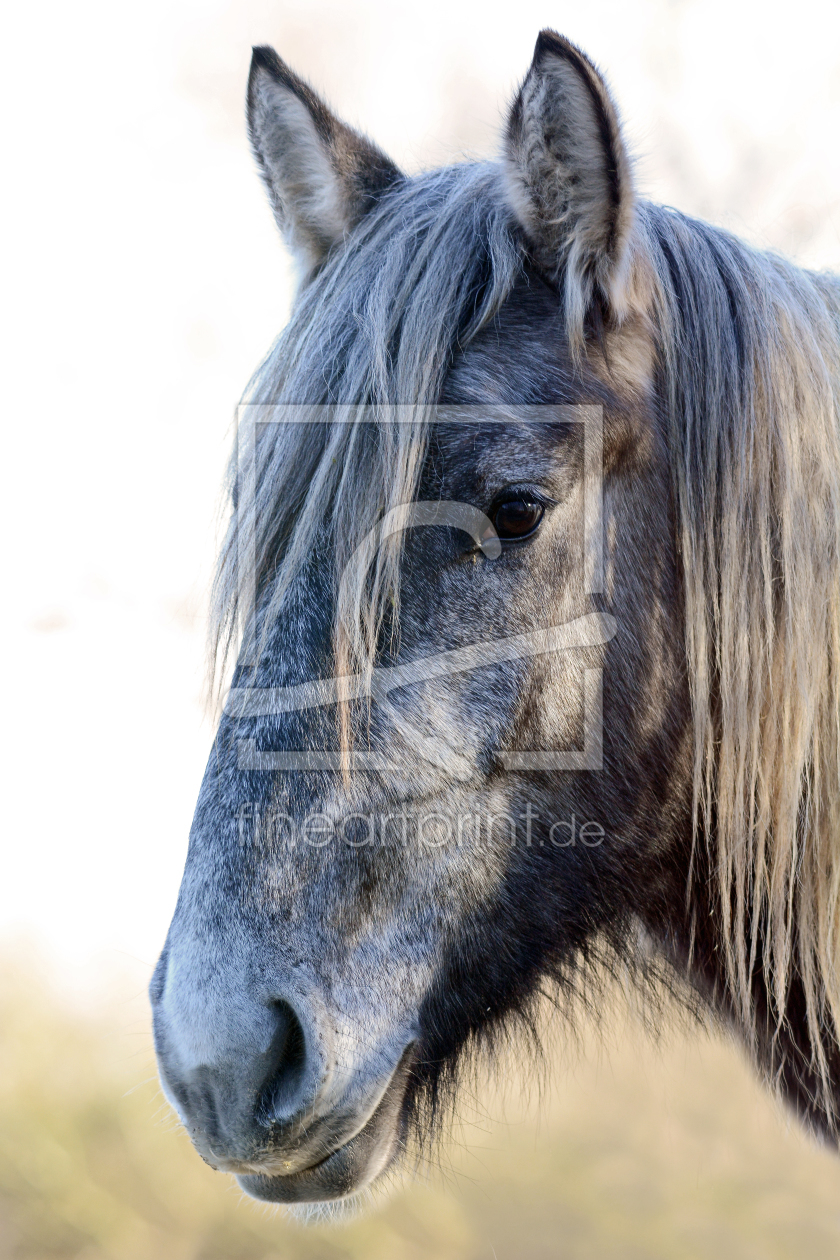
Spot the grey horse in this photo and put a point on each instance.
(531, 602)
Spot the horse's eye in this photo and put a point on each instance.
(517, 518)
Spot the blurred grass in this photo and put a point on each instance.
(640, 1150)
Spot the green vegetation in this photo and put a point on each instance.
(636, 1150)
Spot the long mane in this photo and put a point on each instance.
(749, 373)
(750, 358)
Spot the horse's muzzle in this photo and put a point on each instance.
(273, 1098)
(353, 1165)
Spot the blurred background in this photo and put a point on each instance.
(143, 281)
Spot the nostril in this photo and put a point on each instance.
(286, 1063)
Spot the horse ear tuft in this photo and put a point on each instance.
(322, 177)
(569, 180)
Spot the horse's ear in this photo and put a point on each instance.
(569, 180)
(321, 176)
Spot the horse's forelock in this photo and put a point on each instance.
(378, 325)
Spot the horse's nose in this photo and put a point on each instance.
(235, 1100)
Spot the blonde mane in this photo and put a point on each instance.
(750, 353)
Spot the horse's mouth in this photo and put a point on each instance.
(350, 1168)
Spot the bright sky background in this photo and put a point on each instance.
(143, 281)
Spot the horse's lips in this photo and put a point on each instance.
(346, 1170)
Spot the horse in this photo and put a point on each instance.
(529, 611)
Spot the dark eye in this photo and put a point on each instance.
(517, 518)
